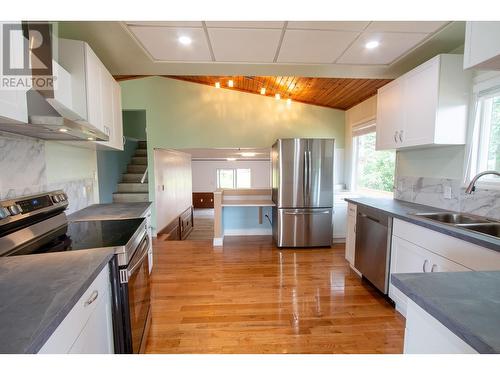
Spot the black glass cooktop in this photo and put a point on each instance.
(83, 235)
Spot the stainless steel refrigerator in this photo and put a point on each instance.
(302, 190)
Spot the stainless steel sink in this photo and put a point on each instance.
(465, 221)
(491, 229)
(453, 218)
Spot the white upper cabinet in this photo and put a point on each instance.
(482, 45)
(96, 95)
(13, 104)
(427, 106)
(389, 114)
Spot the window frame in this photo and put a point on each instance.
(478, 137)
(359, 129)
(235, 177)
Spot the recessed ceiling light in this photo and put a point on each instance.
(217, 85)
(263, 91)
(230, 83)
(248, 154)
(372, 44)
(90, 139)
(185, 40)
(231, 159)
(63, 130)
(277, 96)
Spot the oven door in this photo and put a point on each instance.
(139, 296)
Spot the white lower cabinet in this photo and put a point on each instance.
(350, 243)
(407, 257)
(88, 327)
(417, 249)
(424, 334)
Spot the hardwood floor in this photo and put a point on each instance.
(250, 297)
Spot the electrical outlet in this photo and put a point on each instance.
(447, 192)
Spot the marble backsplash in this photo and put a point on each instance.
(430, 191)
(24, 172)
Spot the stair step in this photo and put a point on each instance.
(130, 187)
(132, 177)
(136, 168)
(130, 197)
(142, 145)
(141, 152)
(139, 160)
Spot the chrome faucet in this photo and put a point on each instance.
(472, 184)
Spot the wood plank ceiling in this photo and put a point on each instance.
(338, 93)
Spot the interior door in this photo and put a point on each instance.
(292, 162)
(319, 173)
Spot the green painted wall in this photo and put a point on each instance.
(111, 165)
(181, 114)
(134, 124)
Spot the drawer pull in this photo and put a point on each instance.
(433, 266)
(92, 298)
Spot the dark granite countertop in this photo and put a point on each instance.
(467, 303)
(110, 211)
(38, 291)
(405, 210)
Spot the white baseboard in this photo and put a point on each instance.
(355, 270)
(248, 232)
(218, 241)
(338, 240)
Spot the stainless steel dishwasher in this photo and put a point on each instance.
(373, 246)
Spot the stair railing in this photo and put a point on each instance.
(144, 175)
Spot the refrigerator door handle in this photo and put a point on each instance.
(303, 212)
(309, 174)
(305, 177)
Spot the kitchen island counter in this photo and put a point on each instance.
(466, 303)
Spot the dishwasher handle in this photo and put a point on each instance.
(369, 217)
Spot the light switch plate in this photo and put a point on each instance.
(447, 192)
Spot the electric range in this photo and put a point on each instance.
(37, 224)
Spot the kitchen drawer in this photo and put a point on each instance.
(462, 252)
(67, 333)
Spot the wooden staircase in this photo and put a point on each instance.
(130, 189)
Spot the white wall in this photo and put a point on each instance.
(205, 173)
(172, 171)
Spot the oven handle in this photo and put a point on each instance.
(144, 247)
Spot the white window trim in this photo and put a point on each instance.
(484, 82)
(362, 128)
(235, 177)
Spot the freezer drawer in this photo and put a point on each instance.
(308, 227)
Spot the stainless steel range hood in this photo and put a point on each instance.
(50, 109)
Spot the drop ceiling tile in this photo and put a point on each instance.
(246, 24)
(392, 46)
(314, 46)
(328, 25)
(162, 43)
(406, 26)
(244, 45)
(166, 23)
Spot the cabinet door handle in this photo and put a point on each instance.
(423, 265)
(396, 136)
(432, 268)
(401, 136)
(92, 298)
